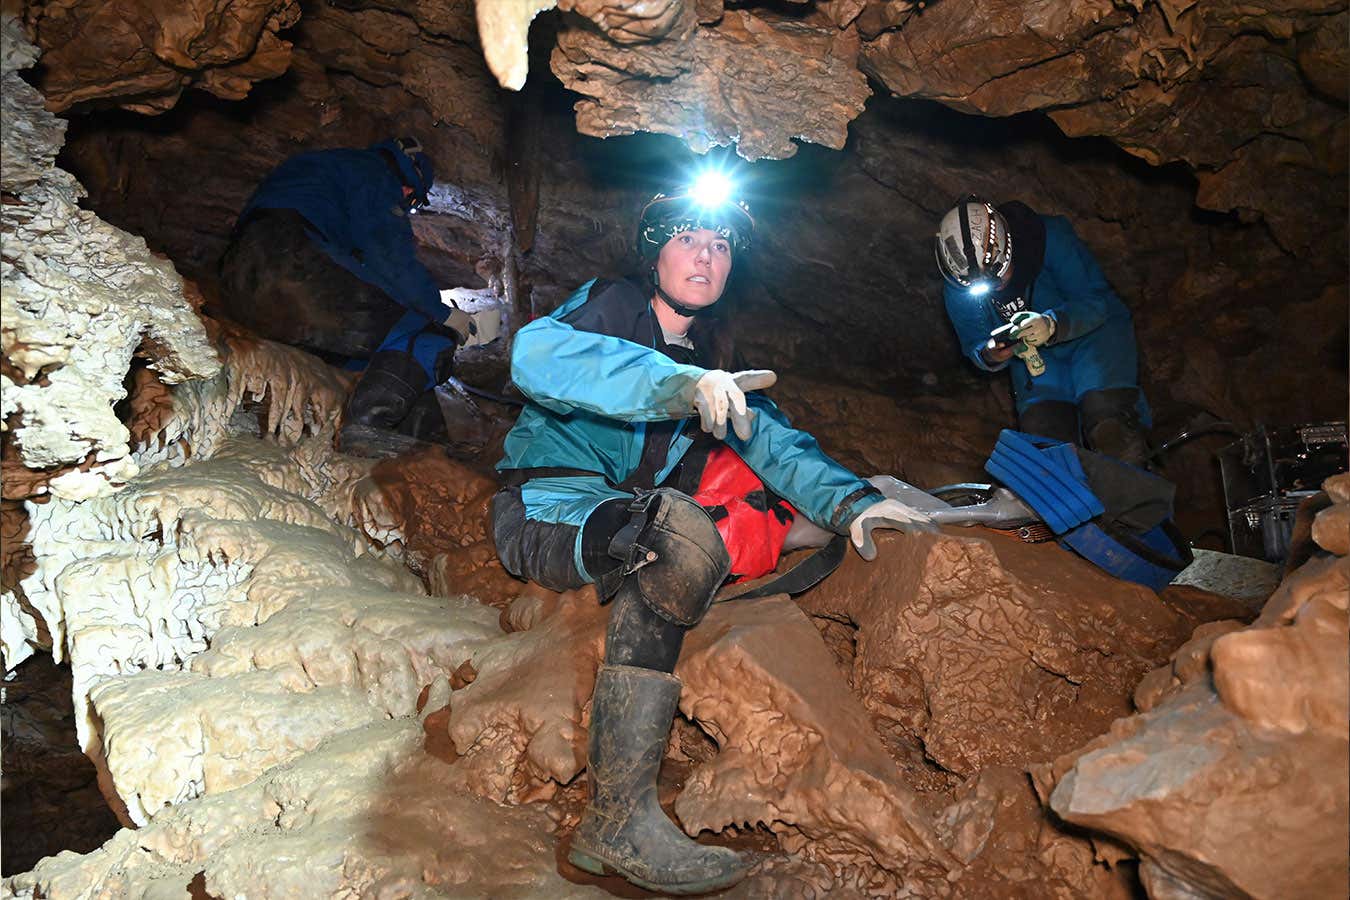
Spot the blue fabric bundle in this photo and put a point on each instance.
(1050, 477)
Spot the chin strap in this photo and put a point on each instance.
(676, 306)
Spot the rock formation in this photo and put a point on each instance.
(1232, 781)
(986, 651)
(80, 299)
(1226, 88)
(142, 55)
(300, 674)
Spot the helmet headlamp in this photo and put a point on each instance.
(707, 201)
(710, 190)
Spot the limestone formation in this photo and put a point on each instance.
(142, 55)
(367, 813)
(1233, 781)
(80, 298)
(264, 389)
(753, 81)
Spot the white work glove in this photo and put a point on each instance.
(886, 514)
(720, 395)
(462, 324)
(1034, 329)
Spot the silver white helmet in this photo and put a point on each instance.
(973, 246)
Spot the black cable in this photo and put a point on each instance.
(1184, 436)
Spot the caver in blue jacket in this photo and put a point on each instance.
(592, 399)
(354, 204)
(1093, 348)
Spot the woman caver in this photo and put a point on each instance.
(598, 475)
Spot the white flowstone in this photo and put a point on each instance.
(78, 298)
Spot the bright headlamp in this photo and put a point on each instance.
(710, 190)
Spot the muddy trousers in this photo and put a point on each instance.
(658, 559)
(670, 561)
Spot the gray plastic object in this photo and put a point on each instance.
(1003, 509)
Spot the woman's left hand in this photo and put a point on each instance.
(886, 514)
(1034, 329)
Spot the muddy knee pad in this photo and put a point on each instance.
(1112, 426)
(670, 555)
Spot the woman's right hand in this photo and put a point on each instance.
(720, 395)
(994, 355)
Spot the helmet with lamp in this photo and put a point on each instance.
(974, 247)
(708, 201)
(414, 167)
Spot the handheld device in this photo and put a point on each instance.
(1003, 337)
(1006, 336)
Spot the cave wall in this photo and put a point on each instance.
(842, 288)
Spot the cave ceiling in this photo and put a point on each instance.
(1200, 149)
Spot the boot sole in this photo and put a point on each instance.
(597, 866)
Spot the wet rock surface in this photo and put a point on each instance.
(1241, 744)
(303, 673)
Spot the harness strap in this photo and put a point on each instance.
(805, 574)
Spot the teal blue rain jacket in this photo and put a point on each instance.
(590, 396)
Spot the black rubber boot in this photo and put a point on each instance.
(383, 398)
(1056, 419)
(1111, 425)
(624, 829)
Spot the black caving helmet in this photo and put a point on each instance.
(708, 201)
(414, 166)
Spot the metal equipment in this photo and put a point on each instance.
(1268, 473)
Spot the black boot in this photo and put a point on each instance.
(1111, 425)
(383, 398)
(624, 828)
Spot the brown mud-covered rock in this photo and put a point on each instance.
(1235, 783)
(518, 727)
(436, 511)
(986, 651)
(758, 676)
(997, 825)
(143, 54)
